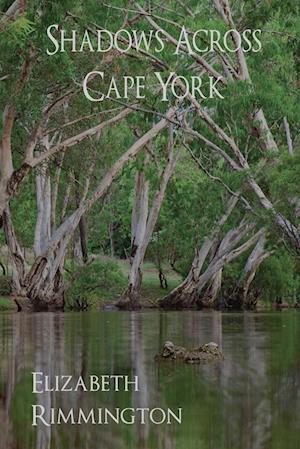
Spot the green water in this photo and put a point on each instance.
(249, 401)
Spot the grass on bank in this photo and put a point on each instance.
(101, 283)
(5, 288)
(105, 280)
(6, 304)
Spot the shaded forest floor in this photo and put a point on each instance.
(151, 290)
(112, 286)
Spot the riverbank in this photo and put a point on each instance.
(99, 285)
(258, 378)
(105, 280)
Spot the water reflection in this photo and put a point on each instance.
(251, 400)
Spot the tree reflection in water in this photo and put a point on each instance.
(251, 400)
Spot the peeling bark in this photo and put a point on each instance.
(15, 253)
(8, 180)
(143, 224)
(190, 294)
(241, 295)
(211, 294)
(185, 295)
(42, 286)
(289, 230)
(43, 198)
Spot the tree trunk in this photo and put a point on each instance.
(138, 229)
(143, 224)
(6, 164)
(42, 287)
(162, 279)
(54, 192)
(289, 230)
(183, 295)
(82, 223)
(43, 199)
(39, 288)
(190, 293)
(211, 295)
(288, 136)
(15, 253)
(83, 238)
(241, 295)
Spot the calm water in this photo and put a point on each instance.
(249, 401)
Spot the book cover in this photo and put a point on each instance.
(149, 224)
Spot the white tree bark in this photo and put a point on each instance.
(239, 296)
(211, 294)
(191, 292)
(7, 187)
(183, 295)
(43, 284)
(10, 180)
(44, 212)
(13, 10)
(258, 255)
(16, 254)
(219, 262)
(288, 136)
(138, 230)
(54, 191)
(6, 164)
(143, 224)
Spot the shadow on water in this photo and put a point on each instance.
(249, 401)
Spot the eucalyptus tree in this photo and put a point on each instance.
(144, 217)
(258, 122)
(239, 137)
(223, 137)
(36, 128)
(39, 284)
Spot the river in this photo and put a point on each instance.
(251, 400)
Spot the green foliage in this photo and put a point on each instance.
(278, 278)
(21, 28)
(195, 197)
(96, 283)
(5, 285)
(21, 409)
(284, 181)
(6, 305)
